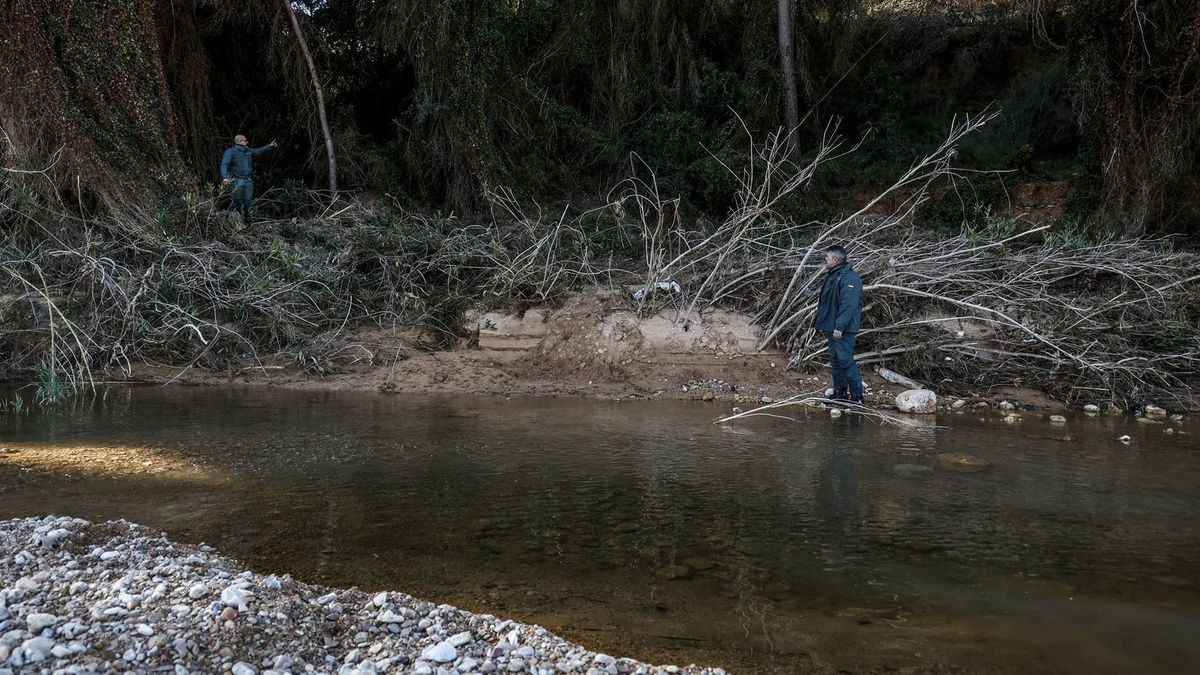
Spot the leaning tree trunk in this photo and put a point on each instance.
(791, 111)
(316, 82)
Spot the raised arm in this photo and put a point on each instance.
(264, 149)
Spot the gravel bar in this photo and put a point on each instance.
(116, 597)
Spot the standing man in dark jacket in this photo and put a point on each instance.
(839, 311)
(237, 167)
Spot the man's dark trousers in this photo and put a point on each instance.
(243, 196)
(846, 376)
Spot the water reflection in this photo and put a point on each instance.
(770, 545)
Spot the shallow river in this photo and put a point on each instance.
(643, 529)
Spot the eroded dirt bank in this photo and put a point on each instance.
(591, 346)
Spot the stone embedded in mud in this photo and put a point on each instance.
(676, 573)
(1155, 411)
(961, 461)
(920, 401)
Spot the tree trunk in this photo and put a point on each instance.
(791, 111)
(312, 71)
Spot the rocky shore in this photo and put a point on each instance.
(78, 597)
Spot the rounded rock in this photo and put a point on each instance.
(39, 621)
(442, 652)
(918, 401)
(961, 461)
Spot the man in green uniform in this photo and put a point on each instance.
(839, 311)
(237, 168)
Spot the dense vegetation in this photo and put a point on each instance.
(442, 103)
(450, 120)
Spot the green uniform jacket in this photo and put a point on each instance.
(238, 163)
(840, 305)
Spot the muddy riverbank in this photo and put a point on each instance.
(588, 347)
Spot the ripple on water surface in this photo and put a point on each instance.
(769, 544)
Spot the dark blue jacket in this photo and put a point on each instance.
(237, 162)
(840, 306)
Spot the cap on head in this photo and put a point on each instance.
(239, 139)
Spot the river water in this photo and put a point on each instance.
(644, 529)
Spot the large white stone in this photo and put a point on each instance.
(37, 649)
(234, 597)
(442, 652)
(460, 639)
(921, 401)
(388, 616)
(38, 622)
